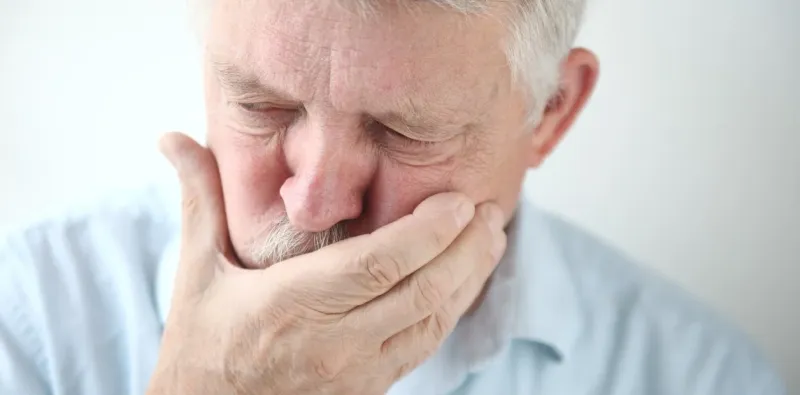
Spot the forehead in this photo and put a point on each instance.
(322, 51)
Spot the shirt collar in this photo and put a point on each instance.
(547, 302)
(531, 297)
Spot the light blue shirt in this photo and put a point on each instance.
(83, 300)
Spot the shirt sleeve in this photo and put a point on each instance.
(21, 359)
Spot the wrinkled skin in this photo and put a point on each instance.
(352, 317)
(326, 118)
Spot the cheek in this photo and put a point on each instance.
(251, 172)
(504, 179)
(397, 189)
(495, 172)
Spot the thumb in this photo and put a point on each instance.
(204, 236)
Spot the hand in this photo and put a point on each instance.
(351, 318)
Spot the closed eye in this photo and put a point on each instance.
(392, 138)
(261, 107)
(264, 115)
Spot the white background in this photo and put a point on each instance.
(686, 158)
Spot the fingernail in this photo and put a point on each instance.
(494, 216)
(465, 211)
(498, 246)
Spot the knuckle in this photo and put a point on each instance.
(439, 238)
(326, 370)
(408, 366)
(439, 326)
(404, 370)
(191, 204)
(428, 295)
(383, 270)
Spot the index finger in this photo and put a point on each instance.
(381, 260)
(203, 218)
(204, 237)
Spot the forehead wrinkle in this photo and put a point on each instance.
(388, 87)
(233, 77)
(299, 52)
(310, 51)
(426, 95)
(282, 36)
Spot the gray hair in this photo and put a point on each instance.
(280, 241)
(541, 34)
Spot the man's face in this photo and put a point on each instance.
(325, 123)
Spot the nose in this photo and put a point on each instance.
(330, 171)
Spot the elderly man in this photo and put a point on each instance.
(355, 226)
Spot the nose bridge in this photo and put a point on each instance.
(333, 151)
(331, 143)
(321, 167)
(331, 169)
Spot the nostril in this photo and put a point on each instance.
(323, 193)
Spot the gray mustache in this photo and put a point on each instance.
(282, 241)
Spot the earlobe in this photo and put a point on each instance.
(578, 79)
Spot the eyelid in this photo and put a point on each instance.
(402, 141)
(267, 117)
(424, 134)
(263, 106)
(260, 98)
(255, 107)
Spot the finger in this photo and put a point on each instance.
(204, 232)
(477, 249)
(390, 254)
(357, 270)
(414, 344)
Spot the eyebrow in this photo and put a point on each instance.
(234, 79)
(424, 125)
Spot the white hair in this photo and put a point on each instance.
(541, 34)
(280, 241)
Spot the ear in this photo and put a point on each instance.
(579, 74)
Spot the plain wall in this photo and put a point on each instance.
(686, 157)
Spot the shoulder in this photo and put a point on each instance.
(94, 239)
(651, 331)
(74, 281)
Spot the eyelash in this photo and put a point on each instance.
(260, 108)
(263, 110)
(409, 142)
(401, 139)
(251, 107)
